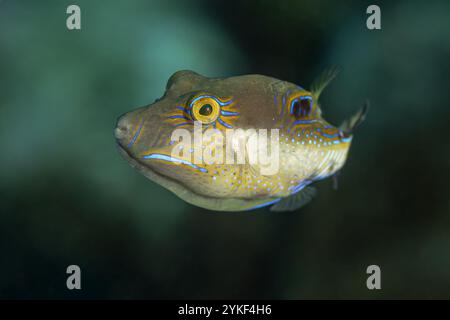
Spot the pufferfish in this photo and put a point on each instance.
(309, 148)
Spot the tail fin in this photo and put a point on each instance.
(349, 125)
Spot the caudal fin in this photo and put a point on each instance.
(349, 125)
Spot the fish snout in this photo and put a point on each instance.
(137, 131)
(124, 130)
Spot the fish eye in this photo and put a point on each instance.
(301, 107)
(205, 109)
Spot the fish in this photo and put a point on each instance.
(165, 141)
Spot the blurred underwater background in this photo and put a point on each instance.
(67, 196)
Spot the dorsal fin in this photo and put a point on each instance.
(323, 80)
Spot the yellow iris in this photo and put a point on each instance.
(205, 109)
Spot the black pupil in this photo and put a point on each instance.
(205, 110)
(301, 108)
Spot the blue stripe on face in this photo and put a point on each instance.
(182, 109)
(226, 103)
(178, 117)
(292, 106)
(159, 156)
(297, 122)
(229, 113)
(304, 121)
(183, 124)
(330, 135)
(224, 123)
(136, 135)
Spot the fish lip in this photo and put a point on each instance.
(131, 160)
(145, 169)
(136, 163)
(139, 165)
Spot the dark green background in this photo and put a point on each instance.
(67, 197)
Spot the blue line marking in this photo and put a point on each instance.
(182, 109)
(226, 103)
(292, 106)
(178, 117)
(297, 122)
(224, 123)
(164, 157)
(182, 124)
(300, 186)
(264, 204)
(304, 121)
(136, 135)
(330, 135)
(229, 113)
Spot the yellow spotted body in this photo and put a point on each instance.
(310, 148)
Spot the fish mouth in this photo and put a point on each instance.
(184, 192)
(141, 166)
(178, 188)
(147, 170)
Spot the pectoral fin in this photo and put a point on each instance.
(295, 201)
